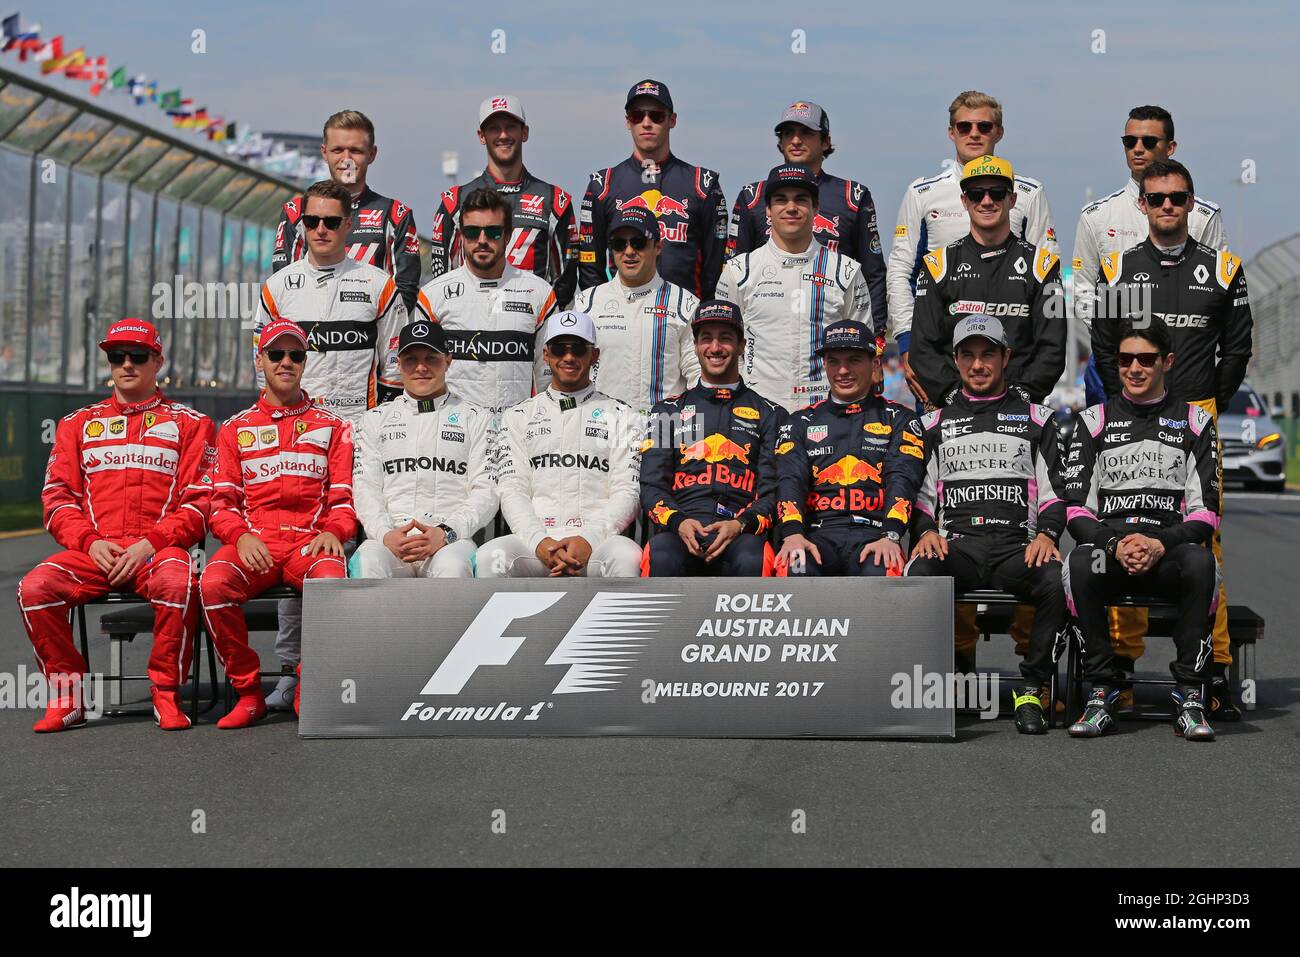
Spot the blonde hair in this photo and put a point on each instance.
(975, 100)
(349, 120)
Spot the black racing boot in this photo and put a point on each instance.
(1222, 707)
(1028, 702)
(1191, 722)
(1097, 713)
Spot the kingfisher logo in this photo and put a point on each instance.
(597, 650)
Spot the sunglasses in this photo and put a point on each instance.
(117, 356)
(620, 243)
(656, 116)
(984, 126)
(331, 222)
(976, 193)
(1148, 141)
(1156, 200)
(560, 349)
(296, 356)
(1145, 359)
(472, 233)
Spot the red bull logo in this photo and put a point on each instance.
(660, 514)
(716, 448)
(742, 480)
(788, 512)
(853, 500)
(850, 470)
(902, 510)
(826, 224)
(656, 202)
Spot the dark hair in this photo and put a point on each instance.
(1153, 330)
(1154, 113)
(488, 201)
(1158, 168)
(328, 189)
(826, 139)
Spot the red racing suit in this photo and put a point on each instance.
(123, 473)
(284, 474)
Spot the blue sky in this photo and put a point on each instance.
(885, 76)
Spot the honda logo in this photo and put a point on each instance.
(453, 289)
(293, 281)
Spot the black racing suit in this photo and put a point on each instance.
(846, 475)
(1201, 295)
(1017, 283)
(692, 215)
(710, 455)
(845, 222)
(1148, 469)
(992, 484)
(544, 237)
(383, 234)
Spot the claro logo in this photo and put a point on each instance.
(610, 632)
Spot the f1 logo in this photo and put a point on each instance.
(597, 649)
(485, 641)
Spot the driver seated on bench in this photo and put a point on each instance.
(1143, 505)
(991, 507)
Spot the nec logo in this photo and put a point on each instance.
(612, 629)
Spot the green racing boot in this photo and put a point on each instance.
(1028, 702)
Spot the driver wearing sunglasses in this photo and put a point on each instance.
(127, 494)
(1117, 222)
(647, 352)
(686, 199)
(990, 272)
(568, 471)
(933, 216)
(281, 505)
(1201, 294)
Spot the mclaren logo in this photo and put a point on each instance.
(610, 632)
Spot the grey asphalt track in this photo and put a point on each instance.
(120, 792)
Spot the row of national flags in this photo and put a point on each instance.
(76, 65)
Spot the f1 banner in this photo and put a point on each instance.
(708, 657)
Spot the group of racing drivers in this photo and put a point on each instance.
(722, 384)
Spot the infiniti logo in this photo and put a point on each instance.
(1141, 276)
